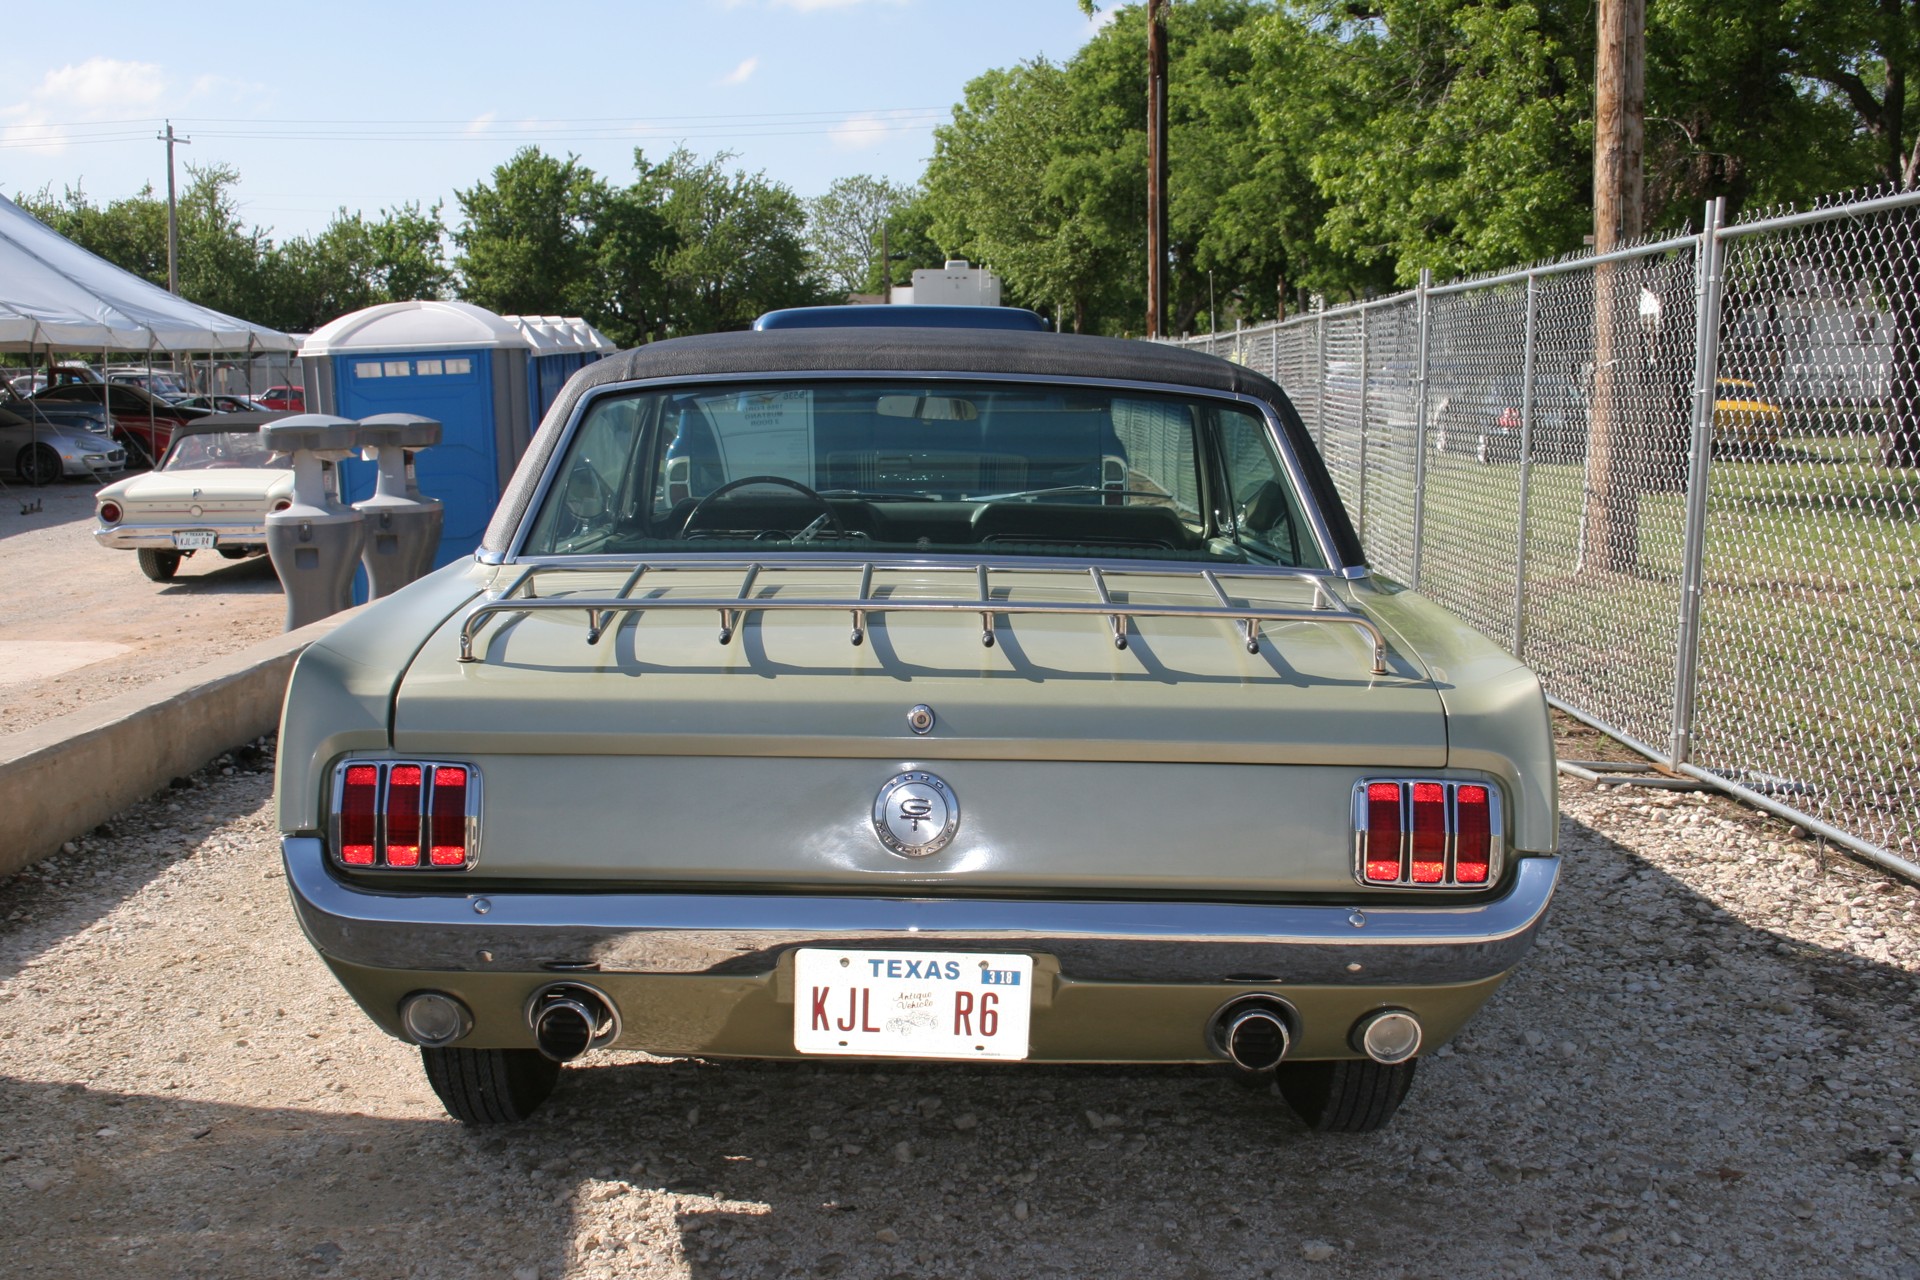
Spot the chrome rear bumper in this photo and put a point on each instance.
(124, 538)
(716, 933)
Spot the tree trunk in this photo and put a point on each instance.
(1611, 527)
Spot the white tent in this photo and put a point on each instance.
(55, 295)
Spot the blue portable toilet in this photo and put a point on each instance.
(561, 347)
(451, 361)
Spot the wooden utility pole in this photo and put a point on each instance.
(173, 219)
(1611, 531)
(1156, 166)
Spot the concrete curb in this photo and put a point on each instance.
(61, 779)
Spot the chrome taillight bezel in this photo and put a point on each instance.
(1496, 835)
(385, 770)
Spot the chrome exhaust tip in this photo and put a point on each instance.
(1253, 1033)
(568, 1019)
(1388, 1036)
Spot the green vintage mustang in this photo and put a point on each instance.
(847, 689)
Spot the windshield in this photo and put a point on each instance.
(1020, 468)
(218, 449)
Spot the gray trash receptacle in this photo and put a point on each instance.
(403, 528)
(315, 543)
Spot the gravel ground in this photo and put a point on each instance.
(64, 587)
(1708, 1068)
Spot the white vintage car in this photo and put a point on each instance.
(211, 492)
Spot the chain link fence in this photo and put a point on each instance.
(1681, 480)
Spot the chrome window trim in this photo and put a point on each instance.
(1496, 824)
(385, 767)
(1349, 943)
(1316, 520)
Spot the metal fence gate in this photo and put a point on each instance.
(1679, 480)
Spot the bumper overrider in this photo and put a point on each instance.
(712, 973)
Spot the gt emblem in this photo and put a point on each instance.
(915, 814)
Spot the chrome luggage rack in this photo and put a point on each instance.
(522, 597)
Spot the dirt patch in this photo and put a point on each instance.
(65, 592)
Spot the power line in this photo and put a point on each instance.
(543, 132)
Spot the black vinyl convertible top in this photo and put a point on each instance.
(912, 350)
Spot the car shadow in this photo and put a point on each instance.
(207, 573)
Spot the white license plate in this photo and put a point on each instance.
(193, 539)
(912, 1004)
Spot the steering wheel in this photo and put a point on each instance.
(826, 508)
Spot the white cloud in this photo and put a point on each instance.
(98, 89)
(480, 123)
(873, 128)
(100, 85)
(742, 73)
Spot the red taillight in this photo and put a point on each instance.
(403, 816)
(1474, 859)
(406, 815)
(449, 817)
(357, 815)
(1383, 832)
(1429, 833)
(283, 504)
(110, 512)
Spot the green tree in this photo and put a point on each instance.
(527, 237)
(844, 230)
(737, 247)
(130, 233)
(1002, 190)
(359, 262)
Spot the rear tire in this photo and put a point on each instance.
(490, 1086)
(159, 565)
(39, 464)
(1347, 1096)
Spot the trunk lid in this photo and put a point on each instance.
(660, 754)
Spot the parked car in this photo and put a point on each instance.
(218, 403)
(291, 398)
(157, 381)
(42, 453)
(142, 422)
(967, 695)
(211, 492)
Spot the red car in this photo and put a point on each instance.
(141, 421)
(290, 398)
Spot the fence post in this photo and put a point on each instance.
(1420, 430)
(1273, 354)
(1706, 362)
(1526, 470)
(1360, 501)
(1320, 378)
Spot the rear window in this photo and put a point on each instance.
(973, 467)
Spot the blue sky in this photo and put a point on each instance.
(372, 105)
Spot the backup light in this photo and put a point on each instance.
(1426, 833)
(405, 815)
